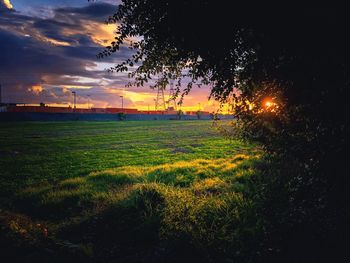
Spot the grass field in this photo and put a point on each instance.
(127, 190)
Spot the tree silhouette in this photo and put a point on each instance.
(296, 55)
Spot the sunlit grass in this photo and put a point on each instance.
(199, 176)
(129, 184)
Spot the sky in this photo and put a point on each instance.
(48, 49)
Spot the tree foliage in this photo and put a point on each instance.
(297, 56)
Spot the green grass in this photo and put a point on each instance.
(115, 188)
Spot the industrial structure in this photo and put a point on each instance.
(162, 106)
(48, 109)
(172, 104)
(160, 99)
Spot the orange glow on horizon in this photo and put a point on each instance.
(142, 100)
(36, 89)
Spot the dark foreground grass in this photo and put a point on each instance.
(159, 191)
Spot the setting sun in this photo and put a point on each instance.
(269, 105)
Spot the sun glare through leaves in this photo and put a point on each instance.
(270, 105)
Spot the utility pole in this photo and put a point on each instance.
(75, 99)
(160, 100)
(88, 101)
(122, 103)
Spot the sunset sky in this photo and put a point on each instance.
(48, 49)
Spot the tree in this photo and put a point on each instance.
(297, 57)
(198, 114)
(179, 114)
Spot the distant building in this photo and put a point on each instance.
(42, 107)
(0, 95)
(196, 112)
(3, 108)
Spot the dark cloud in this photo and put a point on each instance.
(43, 58)
(53, 29)
(95, 12)
(53, 51)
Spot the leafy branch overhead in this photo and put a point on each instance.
(166, 49)
(297, 56)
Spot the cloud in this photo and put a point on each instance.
(61, 50)
(6, 4)
(43, 58)
(36, 89)
(94, 12)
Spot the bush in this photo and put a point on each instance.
(179, 114)
(199, 114)
(121, 116)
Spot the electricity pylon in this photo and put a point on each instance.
(160, 100)
(172, 93)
